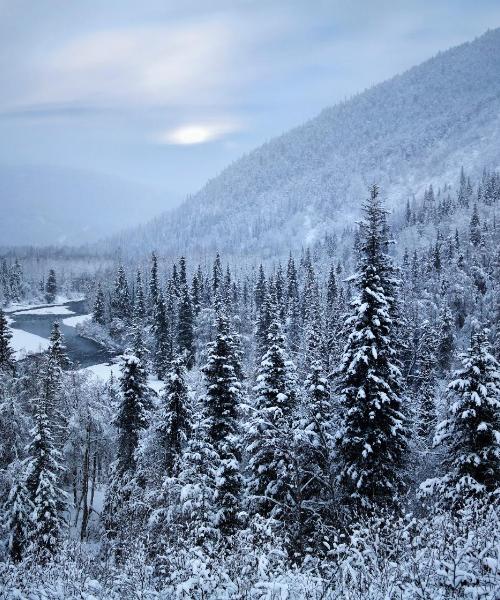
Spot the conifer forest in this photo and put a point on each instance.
(287, 386)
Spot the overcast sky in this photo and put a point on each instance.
(168, 93)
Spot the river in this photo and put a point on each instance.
(81, 351)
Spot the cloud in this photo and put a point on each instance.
(136, 66)
(197, 133)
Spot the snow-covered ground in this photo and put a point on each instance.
(24, 342)
(60, 301)
(103, 372)
(74, 321)
(47, 310)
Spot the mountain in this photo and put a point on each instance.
(416, 128)
(49, 205)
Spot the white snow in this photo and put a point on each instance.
(24, 342)
(47, 310)
(103, 372)
(60, 301)
(77, 320)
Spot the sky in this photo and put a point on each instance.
(168, 93)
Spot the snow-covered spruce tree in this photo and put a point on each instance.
(173, 424)
(154, 286)
(260, 289)
(51, 287)
(222, 400)
(425, 386)
(132, 412)
(269, 430)
(120, 299)
(265, 314)
(99, 308)
(446, 346)
(43, 471)
(471, 433)
(475, 228)
(313, 512)
(162, 334)
(185, 335)
(217, 278)
(131, 418)
(139, 300)
(137, 342)
(372, 440)
(7, 362)
(17, 519)
(293, 316)
(197, 481)
(314, 342)
(57, 349)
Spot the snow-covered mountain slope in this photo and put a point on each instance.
(416, 128)
(42, 205)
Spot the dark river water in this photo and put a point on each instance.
(81, 351)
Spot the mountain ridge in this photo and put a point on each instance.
(417, 127)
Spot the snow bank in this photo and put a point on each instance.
(60, 301)
(103, 372)
(46, 310)
(77, 320)
(24, 343)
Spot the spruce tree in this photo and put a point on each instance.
(99, 308)
(57, 349)
(185, 334)
(7, 361)
(174, 418)
(314, 489)
(217, 278)
(471, 433)
(43, 471)
(154, 286)
(475, 228)
(260, 289)
(132, 412)
(372, 440)
(446, 346)
(120, 300)
(222, 402)
(139, 300)
(17, 519)
(51, 287)
(162, 333)
(269, 433)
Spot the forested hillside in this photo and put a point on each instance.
(325, 427)
(418, 127)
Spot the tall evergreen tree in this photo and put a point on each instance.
(270, 454)
(57, 348)
(120, 301)
(162, 332)
(99, 308)
(174, 417)
(446, 346)
(154, 286)
(7, 361)
(372, 441)
(471, 433)
(185, 333)
(17, 519)
(43, 471)
(222, 402)
(139, 300)
(313, 494)
(132, 412)
(51, 287)
(475, 228)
